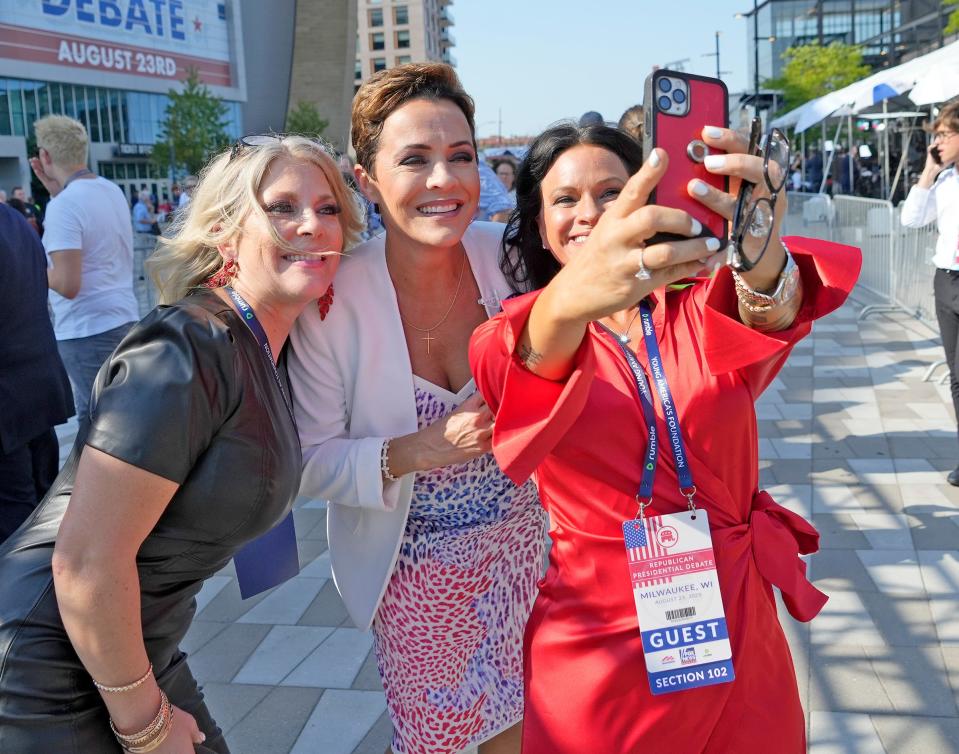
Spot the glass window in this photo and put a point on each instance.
(106, 170)
(401, 15)
(29, 104)
(378, 41)
(6, 128)
(402, 39)
(379, 64)
(358, 70)
(403, 59)
(376, 17)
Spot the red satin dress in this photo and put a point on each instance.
(583, 440)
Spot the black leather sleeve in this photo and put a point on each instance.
(163, 394)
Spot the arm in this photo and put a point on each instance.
(919, 209)
(66, 275)
(98, 587)
(341, 452)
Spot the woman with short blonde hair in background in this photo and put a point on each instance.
(192, 453)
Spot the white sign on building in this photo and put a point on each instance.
(129, 44)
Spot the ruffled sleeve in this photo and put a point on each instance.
(532, 413)
(828, 270)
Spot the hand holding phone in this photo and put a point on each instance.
(678, 106)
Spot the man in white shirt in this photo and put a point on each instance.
(936, 197)
(88, 239)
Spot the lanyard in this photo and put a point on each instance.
(645, 495)
(247, 315)
(80, 173)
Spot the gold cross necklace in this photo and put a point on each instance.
(428, 337)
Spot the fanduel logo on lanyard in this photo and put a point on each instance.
(672, 568)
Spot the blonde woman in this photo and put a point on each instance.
(192, 452)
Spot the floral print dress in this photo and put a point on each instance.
(448, 635)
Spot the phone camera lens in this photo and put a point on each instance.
(665, 103)
(665, 85)
(679, 96)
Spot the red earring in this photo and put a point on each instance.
(324, 302)
(223, 276)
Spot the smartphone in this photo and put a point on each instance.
(676, 107)
(936, 156)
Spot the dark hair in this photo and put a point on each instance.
(388, 90)
(526, 264)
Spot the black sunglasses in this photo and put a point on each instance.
(754, 219)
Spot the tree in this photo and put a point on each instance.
(304, 119)
(193, 129)
(953, 26)
(811, 71)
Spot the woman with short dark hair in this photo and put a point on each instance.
(431, 546)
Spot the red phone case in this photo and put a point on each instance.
(708, 106)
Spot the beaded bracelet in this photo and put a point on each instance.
(385, 462)
(129, 687)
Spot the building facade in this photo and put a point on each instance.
(890, 31)
(112, 63)
(393, 32)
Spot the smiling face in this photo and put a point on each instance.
(575, 192)
(300, 207)
(424, 177)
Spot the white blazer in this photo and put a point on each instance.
(353, 388)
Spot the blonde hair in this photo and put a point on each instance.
(224, 197)
(65, 139)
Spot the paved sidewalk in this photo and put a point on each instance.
(852, 438)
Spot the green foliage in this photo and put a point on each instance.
(304, 119)
(811, 71)
(953, 26)
(193, 129)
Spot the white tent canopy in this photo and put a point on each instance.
(924, 75)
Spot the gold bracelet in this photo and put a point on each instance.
(151, 731)
(160, 738)
(129, 687)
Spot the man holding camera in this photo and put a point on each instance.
(936, 197)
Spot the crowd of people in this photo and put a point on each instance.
(364, 331)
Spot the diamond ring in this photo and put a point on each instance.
(642, 273)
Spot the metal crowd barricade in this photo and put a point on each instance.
(896, 260)
(143, 246)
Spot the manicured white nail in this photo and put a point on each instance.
(654, 159)
(715, 262)
(697, 227)
(713, 132)
(715, 161)
(712, 244)
(700, 188)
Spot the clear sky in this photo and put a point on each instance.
(538, 61)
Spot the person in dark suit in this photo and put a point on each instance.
(35, 392)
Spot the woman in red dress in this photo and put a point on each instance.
(553, 369)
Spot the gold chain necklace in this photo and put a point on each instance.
(428, 338)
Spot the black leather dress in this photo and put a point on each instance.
(187, 395)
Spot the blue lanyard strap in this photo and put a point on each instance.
(645, 495)
(249, 317)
